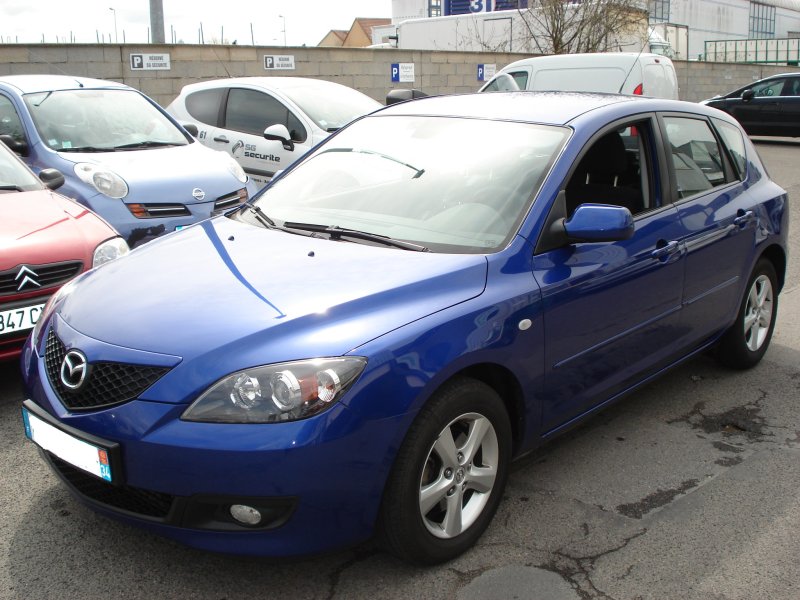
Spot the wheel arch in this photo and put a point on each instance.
(777, 256)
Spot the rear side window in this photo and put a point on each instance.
(251, 111)
(696, 155)
(204, 105)
(732, 138)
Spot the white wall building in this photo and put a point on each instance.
(686, 24)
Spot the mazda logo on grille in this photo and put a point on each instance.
(27, 277)
(198, 194)
(74, 369)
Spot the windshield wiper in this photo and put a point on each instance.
(261, 216)
(418, 172)
(11, 188)
(337, 232)
(146, 144)
(84, 149)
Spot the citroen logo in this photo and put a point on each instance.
(74, 369)
(26, 276)
(198, 194)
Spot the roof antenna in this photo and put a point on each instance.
(633, 64)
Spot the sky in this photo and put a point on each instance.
(87, 21)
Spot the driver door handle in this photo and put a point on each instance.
(222, 139)
(668, 249)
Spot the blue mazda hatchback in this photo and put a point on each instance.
(435, 290)
(121, 155)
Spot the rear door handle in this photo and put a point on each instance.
(665, 251)
(222, 139)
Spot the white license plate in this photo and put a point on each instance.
(79, 453)
(19, 319)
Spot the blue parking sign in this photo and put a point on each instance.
(395, 72)
(480, 73)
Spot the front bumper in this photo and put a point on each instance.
(318, 482)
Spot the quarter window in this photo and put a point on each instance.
(696, 156)
(10, 123)
(732, 138)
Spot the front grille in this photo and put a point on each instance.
(124, 497)
(231, 200)
(107, 383)
(45, 275)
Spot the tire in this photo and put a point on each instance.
(449, 474)
(745, 343)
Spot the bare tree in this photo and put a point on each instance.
(567, 26)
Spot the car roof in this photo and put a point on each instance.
(588, 59)
(549, 108)
(272, 83)
(27, 84)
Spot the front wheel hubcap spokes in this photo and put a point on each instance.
(467, 453)
(758, 313)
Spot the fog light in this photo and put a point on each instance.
(246, 515)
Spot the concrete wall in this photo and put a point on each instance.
(365, 69)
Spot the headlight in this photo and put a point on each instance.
(234, 167)
(276, 393)
(109, 250)
(102, 179)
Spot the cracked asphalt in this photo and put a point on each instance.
(688, 489)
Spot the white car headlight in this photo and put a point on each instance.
(109, 250)
(234, 167)
(102, 179)
(277, 393)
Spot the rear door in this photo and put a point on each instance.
(716, 211)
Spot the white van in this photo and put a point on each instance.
(616, 72)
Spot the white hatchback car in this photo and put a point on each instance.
(233, 115)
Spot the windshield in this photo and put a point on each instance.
(15, 176)
(100, 120)
(331, 106)
(448, 184)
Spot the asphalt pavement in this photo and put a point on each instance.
(688, 489)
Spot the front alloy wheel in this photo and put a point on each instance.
(459, 475)
(449, 474)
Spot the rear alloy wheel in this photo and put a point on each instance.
(745, 343)
(449, 474)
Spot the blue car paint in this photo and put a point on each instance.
(153, 175)
(419, 319)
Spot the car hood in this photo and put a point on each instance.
(227, 288)
(41, 227)
(167, 175)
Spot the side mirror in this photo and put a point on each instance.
(402, 95)
(18, 146)
(191, 128)
(748, 95)
(52, 178)
(599, 223)
(279, 133)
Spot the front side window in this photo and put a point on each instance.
(773, 87)
(14, 175)
(251, 111)
(423, 180)
(100, 120)
(616, 169)
(696, 156)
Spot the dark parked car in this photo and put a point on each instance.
(770, 106)
(434, 290)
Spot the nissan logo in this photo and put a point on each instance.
(74, 369)
(198, 194)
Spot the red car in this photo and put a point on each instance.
(45, 240)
